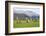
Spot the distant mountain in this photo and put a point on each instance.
(28, 13)
(22, 14)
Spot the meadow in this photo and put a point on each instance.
(25, 23)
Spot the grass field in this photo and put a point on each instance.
(25, 24)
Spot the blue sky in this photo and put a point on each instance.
(26, 10)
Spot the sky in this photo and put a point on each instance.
(27, 10)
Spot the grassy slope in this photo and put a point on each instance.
(24, 25)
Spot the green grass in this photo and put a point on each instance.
(25, 24)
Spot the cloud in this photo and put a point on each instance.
(26, 10)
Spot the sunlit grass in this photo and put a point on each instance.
(24, 23)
